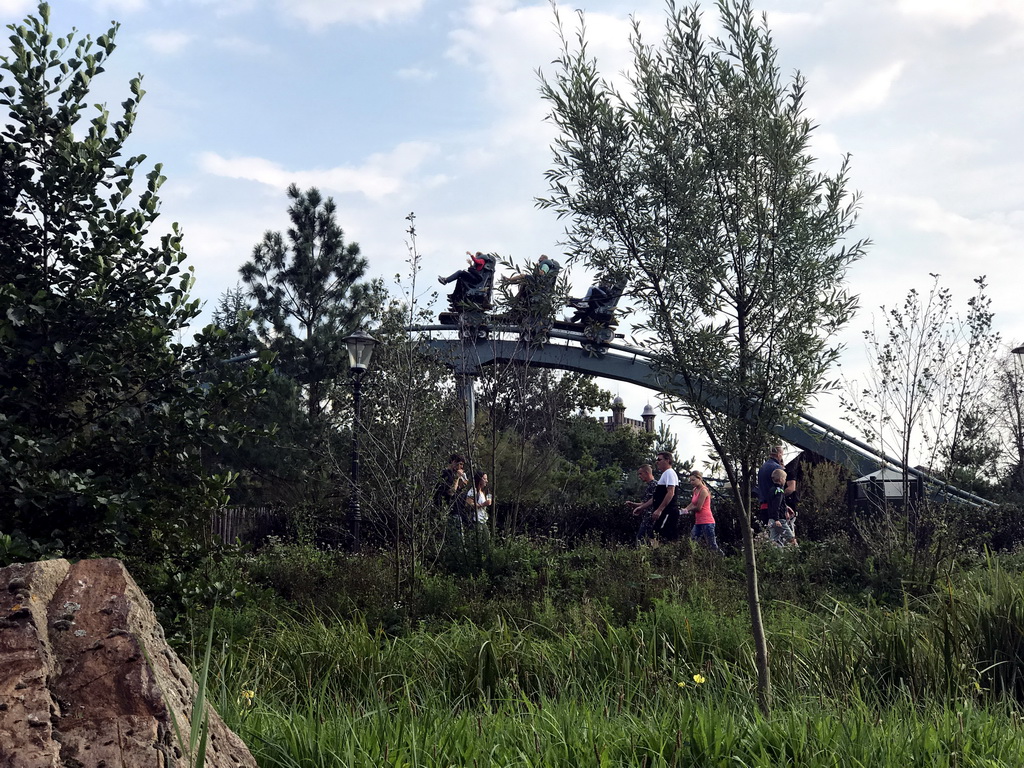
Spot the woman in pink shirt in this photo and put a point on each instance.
(703, 521)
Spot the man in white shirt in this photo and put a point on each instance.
(665, 503)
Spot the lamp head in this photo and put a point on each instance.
(360, 349)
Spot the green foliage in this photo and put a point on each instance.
(618, 729)
(553, 463)
(665, 440)
(101, 421)
(699, 184)
(307, 294)
(519, 577)
(620, 449)
(926, 393)
(1009, 419)
(917, 683)
(306, 297)
(194, 747)
(824, 511)
(411, 422)
(538, 403)
(960, 641)
(272, 464)
(531, 297)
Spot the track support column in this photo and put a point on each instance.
(467, 394)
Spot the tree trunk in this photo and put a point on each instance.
(764, 686)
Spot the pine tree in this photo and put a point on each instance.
(307, 295)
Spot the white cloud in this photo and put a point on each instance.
(505, 41)
(119, 6)
(505, 44)
(381, 176)
(992, 236)
(916, 235)
(16, 7)
(416, 74)
(223, 8)
(170, 42)
(869, 94)
(827, 147)
(781, 22)
(962, 13)
(323, 13)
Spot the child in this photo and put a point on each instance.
(780, 516)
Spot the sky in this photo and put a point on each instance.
(432, 107)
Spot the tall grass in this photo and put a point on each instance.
(668, 730)
(965, 641)
(936, 681)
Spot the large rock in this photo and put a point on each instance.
(87, 679)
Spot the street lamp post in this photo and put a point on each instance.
(360, 350)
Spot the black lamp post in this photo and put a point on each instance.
(360, 350)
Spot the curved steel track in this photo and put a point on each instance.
(636, 366)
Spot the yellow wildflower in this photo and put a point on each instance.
(698, 678)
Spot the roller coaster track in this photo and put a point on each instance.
(636, 366)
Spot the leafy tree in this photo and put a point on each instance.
(622, 450)
(101, 421)
(270, 464)
(533, 426)
(698, 183)
(665, 440)
(967, 448)
(594, 463)
(308, 298)
(925, 395)
(1009, 413)
(411, 421)
(974, 454)
(537, 402)
(233, 318)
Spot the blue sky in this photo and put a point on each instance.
(432, 107)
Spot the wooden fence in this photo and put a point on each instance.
(246, 525)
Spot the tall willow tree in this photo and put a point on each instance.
(697, 181)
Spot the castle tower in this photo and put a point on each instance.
(618, 413)
(648, 416)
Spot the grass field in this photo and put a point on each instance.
(934, 681)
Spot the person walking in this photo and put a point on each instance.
(703, 530)
(449, 497)
(781, 517)
(765, 486)
(665, 516)
(643, 508)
